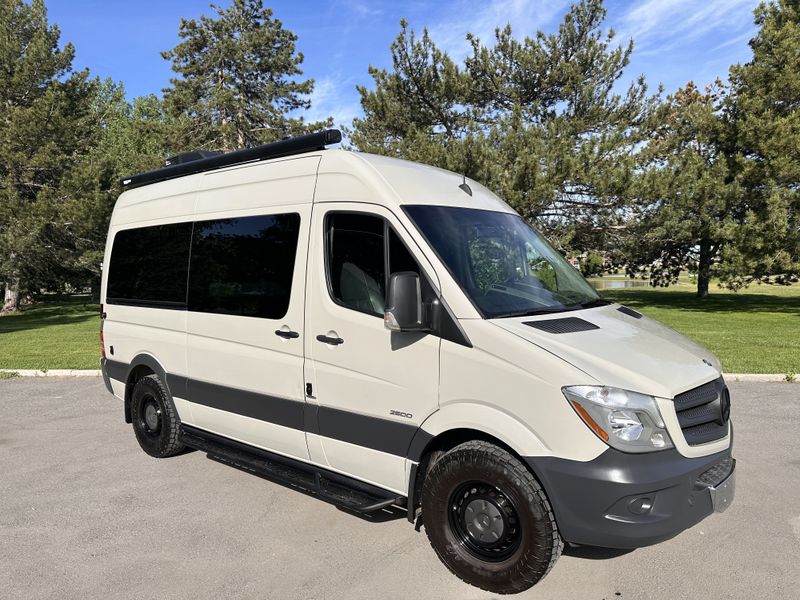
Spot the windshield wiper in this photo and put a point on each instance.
(537, 311)
(595, 302)
(555, 309)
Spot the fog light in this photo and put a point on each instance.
(658, 440)
(640, 506)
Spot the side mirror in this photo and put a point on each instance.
(404, 303)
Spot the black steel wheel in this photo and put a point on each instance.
(488, 519)
(155, 420)
(485, 521)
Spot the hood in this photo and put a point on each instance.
(636, 354)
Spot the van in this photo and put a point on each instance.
(390, 336)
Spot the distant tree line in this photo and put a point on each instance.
(708, 177)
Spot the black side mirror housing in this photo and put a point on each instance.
(404, 311)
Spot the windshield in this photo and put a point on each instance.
(504, 266)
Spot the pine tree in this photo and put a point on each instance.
(689, 201)
(45, 126)
(133, 137)
(538, 121)
(765, 104)
(237, 79)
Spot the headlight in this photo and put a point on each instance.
(625, 420)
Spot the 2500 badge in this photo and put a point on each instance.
(398, 413)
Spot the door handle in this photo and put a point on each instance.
(333, 341)
(288, 335)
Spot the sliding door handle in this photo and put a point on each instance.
(333, 341)
(287, 335)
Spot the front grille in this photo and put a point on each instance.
(716, 474)
(703, 412)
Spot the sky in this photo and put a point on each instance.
(675, 41)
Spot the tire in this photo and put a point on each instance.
(488, 519)
(155, 420)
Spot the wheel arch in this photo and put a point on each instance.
(142, 365)
(459, 423)
(481, 419)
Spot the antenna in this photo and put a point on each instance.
(464, 187)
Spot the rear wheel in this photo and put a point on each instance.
(488, 519)
(155, 420)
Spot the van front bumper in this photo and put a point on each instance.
(621, 500)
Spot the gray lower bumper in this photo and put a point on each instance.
(104, 371)
(621, 500)
(722, 494)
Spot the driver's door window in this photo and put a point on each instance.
(360, 261)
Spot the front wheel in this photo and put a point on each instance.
(488, 519)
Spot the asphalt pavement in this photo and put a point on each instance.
(84, 513)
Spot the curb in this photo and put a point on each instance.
(762, 377)
(52, 372)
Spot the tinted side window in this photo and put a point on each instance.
(400, 258)
(355, 260)
(149, 266)
(244, 265)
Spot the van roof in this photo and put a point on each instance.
(410, 182)
(202, 161)
(343, 176)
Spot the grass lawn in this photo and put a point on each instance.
(60, 334)
(754, 331)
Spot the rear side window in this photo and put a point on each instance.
(149, 266)
(244, 265)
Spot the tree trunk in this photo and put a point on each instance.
(95, 289)
(11, 299)
(704, 268)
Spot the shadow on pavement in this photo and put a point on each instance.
(593, 552)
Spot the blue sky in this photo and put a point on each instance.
(675, 40)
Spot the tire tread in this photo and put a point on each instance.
(479, 450)
(172, 445)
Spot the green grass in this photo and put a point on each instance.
(59, 334)
(754, 331)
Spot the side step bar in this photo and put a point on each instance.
(337, 489)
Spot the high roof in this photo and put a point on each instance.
(408, 182)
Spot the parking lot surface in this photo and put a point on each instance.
(84, 513)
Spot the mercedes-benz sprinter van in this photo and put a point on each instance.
(384, 334)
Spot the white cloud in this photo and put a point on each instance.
(744, 37)
(481, 19)
(361, 8)
(333, 97)
(658, 24)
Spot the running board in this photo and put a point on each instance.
(337, 489)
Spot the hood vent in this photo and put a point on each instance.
(563, 325)
(630, 312)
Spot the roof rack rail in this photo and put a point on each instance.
(287, 147)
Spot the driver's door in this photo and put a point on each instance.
(371, 387)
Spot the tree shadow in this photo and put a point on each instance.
(594, 552)
(723, 302)
(61, 311)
